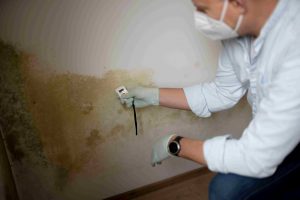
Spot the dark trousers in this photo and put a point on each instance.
(283, 184)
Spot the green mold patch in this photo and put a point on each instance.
(15, 119)
(20, 134)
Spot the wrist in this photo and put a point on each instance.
(192, 150)
(174, 146)
(155, 95)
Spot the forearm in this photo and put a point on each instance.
(173, 98)
(193, 150)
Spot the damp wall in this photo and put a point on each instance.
(73, 138)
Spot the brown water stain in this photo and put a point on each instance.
(94, 139)
(69, 109)
(86, 108)
(117, 130)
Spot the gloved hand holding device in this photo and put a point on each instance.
(142, 97)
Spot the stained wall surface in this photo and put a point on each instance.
(76, 141)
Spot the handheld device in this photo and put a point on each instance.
(121, 90)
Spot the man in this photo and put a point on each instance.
(260, 56)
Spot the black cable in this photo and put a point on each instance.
(135, 121)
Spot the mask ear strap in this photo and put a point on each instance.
(239, 22)
(224, 10)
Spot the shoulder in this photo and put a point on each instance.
(291, 21)
(234, 50)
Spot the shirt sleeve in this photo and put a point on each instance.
(222, 93)
(271, 135)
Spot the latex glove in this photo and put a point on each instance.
(160, 150)
(142, 97)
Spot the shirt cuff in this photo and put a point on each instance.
(196, 100)
(214, 153)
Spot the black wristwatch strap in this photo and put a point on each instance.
(177, 139)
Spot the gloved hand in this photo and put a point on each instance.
(160, 150)
(142, 97)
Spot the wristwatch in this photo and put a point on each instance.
(174, 146)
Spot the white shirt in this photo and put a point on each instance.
(268, 68)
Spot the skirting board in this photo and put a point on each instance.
(159, 185)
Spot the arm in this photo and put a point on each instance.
(271, 135)
(173, 98)
(192, 150)
(220, 94)
(203, 99)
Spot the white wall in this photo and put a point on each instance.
(95, 38)
(91, 37)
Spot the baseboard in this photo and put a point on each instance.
(159, 185)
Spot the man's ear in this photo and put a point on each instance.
(241, 4)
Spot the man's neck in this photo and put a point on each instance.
(259, 13)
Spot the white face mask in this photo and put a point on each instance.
(216, 29)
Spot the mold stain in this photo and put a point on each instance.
(15, 119)
(74, 114)
(94, 139)
(86, 108)
(20, 135)
(13, 146)
(117, 130)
